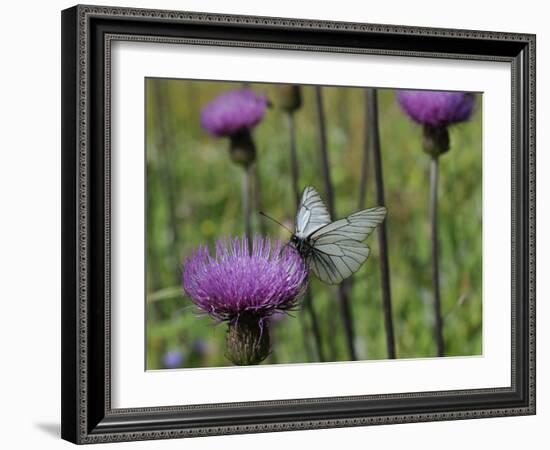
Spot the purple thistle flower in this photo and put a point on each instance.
(233, 111)
(238, 282)
(173, 359)
(436, 108)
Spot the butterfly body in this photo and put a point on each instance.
(303, 246)
(333, 250)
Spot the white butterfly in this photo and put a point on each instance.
(333, 250)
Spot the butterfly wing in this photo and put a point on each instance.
(339, 260)
(312, 213)
(337, 250)
(356, 227)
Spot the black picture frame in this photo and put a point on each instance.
(87, 32)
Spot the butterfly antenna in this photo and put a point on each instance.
(276, 221)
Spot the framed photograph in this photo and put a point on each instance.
(281, 224)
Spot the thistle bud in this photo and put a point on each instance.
(435, 140)
(242, 149)
(247, 341)
(289, 97)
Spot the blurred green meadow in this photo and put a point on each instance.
(193, 198)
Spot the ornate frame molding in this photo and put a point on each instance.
(86, 422)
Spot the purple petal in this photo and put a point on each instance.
(436, 108)
(270, 278)
(233, 111)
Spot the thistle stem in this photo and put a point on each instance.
(257, 196)
(372, 118)
(323, 149)
(272, 354)
(438, 331)
(325, 166)
(363, 181)
(305, 337)
(294, 170)
(295, 176)
(333, 325)
(308, 303)
(246, 181)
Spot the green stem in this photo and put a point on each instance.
(325, 166)
(164, 144)
(294, 168)
(372, 104)
(365, 165)
(257, 197)
(295, 177)
(245, 193)
(438, 330)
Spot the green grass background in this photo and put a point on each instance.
(193, 198)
